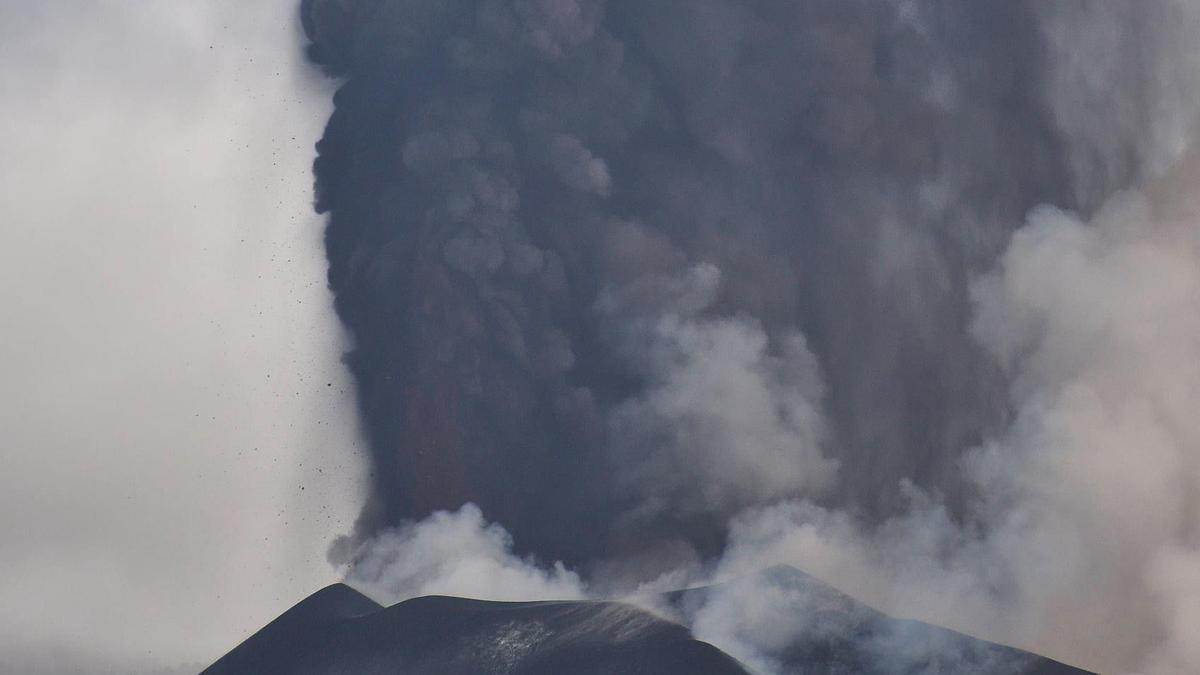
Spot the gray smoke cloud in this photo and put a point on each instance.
(1086, 546)
(900, 293)
(549, 220)
(456, 553)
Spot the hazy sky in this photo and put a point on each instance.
(173, 433)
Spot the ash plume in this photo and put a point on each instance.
(546, 217)
(678, 289)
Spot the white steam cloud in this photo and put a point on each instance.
(1099, 477)
(456, 553)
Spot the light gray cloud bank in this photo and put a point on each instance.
(173, 432)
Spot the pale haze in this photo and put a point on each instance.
(177, 452)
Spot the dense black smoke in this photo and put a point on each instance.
(551, 222)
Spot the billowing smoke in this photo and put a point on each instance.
(548, 218)
(457, 554)
(1083, 543)
(903, 293)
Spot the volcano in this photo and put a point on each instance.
(337, 630)
(340, 631)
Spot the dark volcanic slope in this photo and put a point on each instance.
(817, 630)
(813, 629)
(339, 631)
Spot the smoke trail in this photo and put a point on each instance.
(746, 281)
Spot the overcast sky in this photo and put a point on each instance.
(176, 443)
